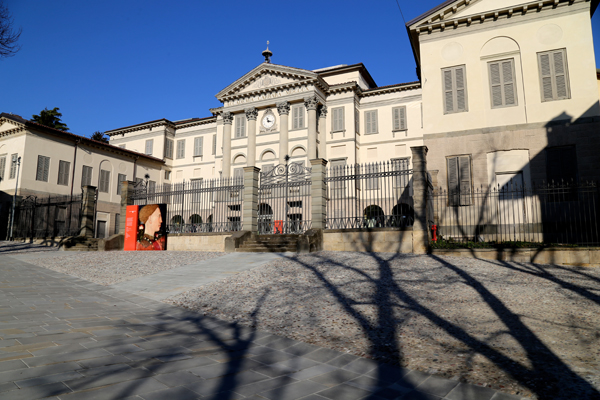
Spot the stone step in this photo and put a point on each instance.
(258, 246)
(278, 249)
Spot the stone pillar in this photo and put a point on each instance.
(88, 208)
(318, 193)
(227, 121)
(283, 109)
(322, 111)
(251, 115)
(126, 200)
(250, 199)
(311, 104)
(420, 198)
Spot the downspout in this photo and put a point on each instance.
(74, 164)
(135, 167)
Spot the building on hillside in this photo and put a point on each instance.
(54, 162)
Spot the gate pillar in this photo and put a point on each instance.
(250, 200)
(318, 193)
(420, 192)
(88, 207)
(126, 200)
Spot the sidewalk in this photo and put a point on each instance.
(72, 339)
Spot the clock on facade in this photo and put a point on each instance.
(268, 120)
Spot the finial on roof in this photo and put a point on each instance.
(267, 54)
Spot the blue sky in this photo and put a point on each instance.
(108, 64)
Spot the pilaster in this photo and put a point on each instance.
(227, 121)
(250, 202)
(251, 115)
(311, 103)
(420, 197)
(322, 114)
(318, 193)
(88, 208)
(283, 109)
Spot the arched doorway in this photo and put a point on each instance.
(265, 218)
(402, 216)
(374, 217)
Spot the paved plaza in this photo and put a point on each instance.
(62, 337)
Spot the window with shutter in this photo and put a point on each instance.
(13, 165)
(372, 181)
(238, 173)
(337, 119)
(459, 180)
(120, 178)
(370, 122)
(401, 164)
(214, 145)
(149, 146)
(240, 126)
(502, 83)
(298, 117)
(63, 172)
(357, 121)
(554, 78)
(399, 118)
(338, 169)
(2, 167)
(455, 89)
(181, 148)
(104, 181)
(86, 176)
(198, 143)
(43, 167)
(169, 148)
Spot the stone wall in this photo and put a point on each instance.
(391, 240)
(197, 241)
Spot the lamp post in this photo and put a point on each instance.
(15, 160)
(285, 208)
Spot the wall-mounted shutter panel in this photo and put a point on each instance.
(2, 167)
(238, 174)
(63, 172)
(461, 103)
(214, 145)
(399, 114)
(508, 81)
(496, 83)
(104, 181)
(43, 168)
(546, 76)
(198, 142)
(298, 117)
(120, 178)
(86, 176)
(453, 187)
(464, 167)
(149, 145)
(396, 113)
(13, 165)
(448, 91)
(168, 148)
(559, 75)
(553, 75)
(357, 120)
(181, 148)
(240, 126)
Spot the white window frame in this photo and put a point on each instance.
(454, 89)
(371, 122)
(401, 124)
(337, 119)
(552, 75)
(502, 83)
(180, 149)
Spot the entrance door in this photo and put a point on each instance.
(101, 230)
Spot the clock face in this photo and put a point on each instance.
(268, 121)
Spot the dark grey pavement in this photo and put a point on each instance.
(65, 338)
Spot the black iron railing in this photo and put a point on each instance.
(51, 216)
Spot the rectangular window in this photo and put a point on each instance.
(337, 119)
(64, 167)
(401, 164)
(214, 145)
(372, 178)
(196, 185)
(169, 148)
(198, 144)
(13, 165)
(502, 83)
(298, 117)
(459, 180)
(86, 176)
(561, 164)
(338, 169)
(168, 175)
(238, 173)
(117, 223)
(2, 167)
(104, 181)
(149, 145)
(399, 118)
(181, 148)
(43, 167)
(370, 122)
(151, 189)
(554, 77)
(240, 126)
(455, 89)
(120, 178)
(356, 120)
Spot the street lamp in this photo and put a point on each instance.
(15, 160)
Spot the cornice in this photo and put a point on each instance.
(19, 127)
(190, 124)
(391, 89)
(317, 83)
(141, 127)
(442, 20)
(345, 87)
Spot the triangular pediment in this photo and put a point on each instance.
(10, 124)
(267, 76)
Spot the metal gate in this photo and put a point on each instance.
(52, 216)
(284, 200)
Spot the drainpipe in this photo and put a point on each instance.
(74, 164)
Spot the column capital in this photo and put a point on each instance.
(227, 118)
(251, 113)
(322, 111)
(311, 102)
(283, 108)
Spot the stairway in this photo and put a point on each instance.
(79, 243)
(270, 244)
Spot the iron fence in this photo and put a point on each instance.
(197, 205)
(52, 216)
(376, 195)
(563, 213)
(284, 200)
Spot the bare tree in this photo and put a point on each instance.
(8, 36)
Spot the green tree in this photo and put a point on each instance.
(50, 118)
(8, 36)
(99, 136)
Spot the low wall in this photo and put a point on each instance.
(584, 257)
(49, 241)
(388, 240)
(197, 241)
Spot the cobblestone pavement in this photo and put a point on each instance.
(62, 337)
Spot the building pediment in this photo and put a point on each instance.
(10, 124)
(267, 78)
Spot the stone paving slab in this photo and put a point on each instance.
(170, 283)
(78, 340)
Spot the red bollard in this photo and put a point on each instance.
(434, 229)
